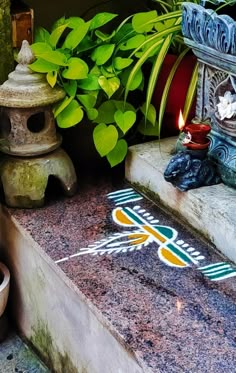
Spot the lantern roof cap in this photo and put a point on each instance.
(25, 88)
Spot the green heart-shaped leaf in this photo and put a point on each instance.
(70, 87)
(121, 63)
(92, 113)
(58, 108)
(106, 112)
(40, 47)
(110, 86)
(125, 120)
(120, 105)
(143, 22)
(90, 83)
(105, 138)
(77, 69)
(52, 78)
(76, 36)
(134, 79)
(75, 22)
(101, 19)
(41, 35)
(88, 101)
(133, 42)
(42, 66)
(107, 71)
(56, 34)
(150, 115)
(54, 57)
(70, 116)
(102, 53)
(118, 154)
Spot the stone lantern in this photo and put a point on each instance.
(28, 137)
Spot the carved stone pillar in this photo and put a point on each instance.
(212, 38)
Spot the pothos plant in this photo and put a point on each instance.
(99, 72)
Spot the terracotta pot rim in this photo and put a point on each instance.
(195, 146)
(198, 127)
(6, 276)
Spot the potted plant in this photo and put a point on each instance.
(4, 291)
(169, 56)
(172, 83)
(93, 68)
(4, 287)
(101, 72)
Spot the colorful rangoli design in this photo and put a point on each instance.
(144, 229)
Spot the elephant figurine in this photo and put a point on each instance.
(187, 171)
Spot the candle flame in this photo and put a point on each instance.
(181, 122)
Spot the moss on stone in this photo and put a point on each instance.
(56, 361)
(6, 61)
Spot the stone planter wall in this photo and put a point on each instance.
(6, 61)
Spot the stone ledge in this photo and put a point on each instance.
(124, 312)
(209, 210)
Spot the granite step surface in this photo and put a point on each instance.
(109, 282)
(16, 356)
(209, 210)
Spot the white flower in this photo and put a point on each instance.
(227, 105)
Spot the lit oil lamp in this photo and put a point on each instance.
(193, 136)
(190, 168)
(182, 134)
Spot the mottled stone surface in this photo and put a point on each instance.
(32, 131)
(25, 88)
(172, 320)
(15, 356)
(25, 180)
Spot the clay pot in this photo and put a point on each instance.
(4, 287)
(177, 93)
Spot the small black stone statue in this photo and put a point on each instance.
(191, 169)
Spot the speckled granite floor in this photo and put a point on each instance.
(16, 357)
(175, 319)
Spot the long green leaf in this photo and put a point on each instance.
(138, 66)
(155, 36)
(147, 53)
(166, 89)
(158, 36)
(123, 23)
(156, 70)
(191, 92)
(165, 5)
(164, 17)
(157, 67)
